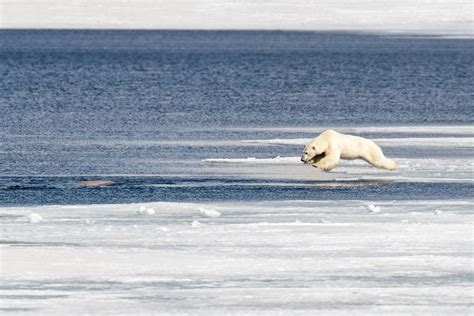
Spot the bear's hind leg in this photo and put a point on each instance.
(380, 161)
(390, 164)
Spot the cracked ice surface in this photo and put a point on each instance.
(263, 257)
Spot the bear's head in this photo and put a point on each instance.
(314, 151)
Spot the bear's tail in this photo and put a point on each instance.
(389, 164)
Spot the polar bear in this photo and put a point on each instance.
(325, 151)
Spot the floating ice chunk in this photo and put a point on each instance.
(150, 211)
(373, 208)
(209, 212)
(146, 211)
(35, 218)
(322, 220)
(438, 212)
(89, 221)
(196, 224)
(164, 229)
(141, 210)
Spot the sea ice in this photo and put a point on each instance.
(35, 218)
(373, 208)
(150, 211)
(88, 221)
(196, 224)
(146, 211)
(280, 256)
(209, 212)
(141, 210)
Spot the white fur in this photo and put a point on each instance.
(335, 146)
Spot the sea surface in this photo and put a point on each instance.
(210, 210)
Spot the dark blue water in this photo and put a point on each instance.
(54, 190)
(89, 103)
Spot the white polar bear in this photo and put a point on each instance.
(325, 151)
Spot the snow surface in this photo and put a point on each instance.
(267, 257)
(449, 17)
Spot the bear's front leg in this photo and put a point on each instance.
(329, 161)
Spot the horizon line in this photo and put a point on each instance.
(400, 32)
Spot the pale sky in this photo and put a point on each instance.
(432, 16)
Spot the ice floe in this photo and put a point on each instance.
(35, 218)
(146, 211)
(207, 212)
(441, 169)
(196, 224)
(373, 208)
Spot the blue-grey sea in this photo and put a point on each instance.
(145, 108)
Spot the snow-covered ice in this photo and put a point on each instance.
(196, 224)
(146, 211)
(206, 212)
(35, 218)
(150, 211)
(373, 208)
(266, 257)
(428, 169)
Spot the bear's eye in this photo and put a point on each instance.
(314, 148)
